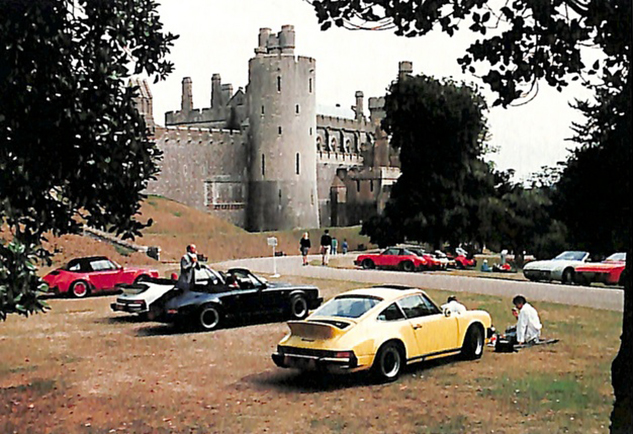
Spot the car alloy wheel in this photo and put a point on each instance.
(408, 266)
(209, 317)
(389, 362)
(79, 289)
(368, 264)
(568, 276)
(473, 347)
(298, 307)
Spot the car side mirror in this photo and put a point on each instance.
(447, 312)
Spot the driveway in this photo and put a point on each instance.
(594, 297)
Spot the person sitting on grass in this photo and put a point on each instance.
(453, 306)
(528, 322)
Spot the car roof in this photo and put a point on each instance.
(386, 292)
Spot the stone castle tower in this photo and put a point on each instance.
(282, 125)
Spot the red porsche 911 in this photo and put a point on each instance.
(393, 257)
(83, 276)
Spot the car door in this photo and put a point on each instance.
(434, 333)
(245, 297)
(104, 275)
(388, 258)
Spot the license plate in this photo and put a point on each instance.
(305, 364)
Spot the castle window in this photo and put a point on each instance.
(310, 130)
(279, 130)
(263, 165)
(280, 196)
(262, 109)
(371, 185)
(297, 163)
(278, 84)
(297, 109)
(310, 85)
(358, 186)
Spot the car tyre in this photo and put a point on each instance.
(407, 266)
(79, 289)
(389, 363)
(473, 347)
(368, 264)
(298, 307)
(209, 317)
(568, 276)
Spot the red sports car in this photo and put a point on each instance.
(83, 276)
(393, 257)
(609, 272)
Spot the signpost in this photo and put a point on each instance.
(272, 241)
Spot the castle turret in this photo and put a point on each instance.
(359, 107)
(282, 132)
(404, 68)
(186, 104)
(216, 91)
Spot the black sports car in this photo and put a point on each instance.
(241, 294)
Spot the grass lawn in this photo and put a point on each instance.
(83, 369)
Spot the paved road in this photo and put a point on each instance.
(599, 298)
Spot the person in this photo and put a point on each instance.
(334, 245)
(453, 305)
(345, 246)
(326, 244)
(528, 322)
(188, 263)
(304, 246)
(484, 266)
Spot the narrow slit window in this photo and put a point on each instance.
(278, 84)
(310, 85)
(297, 163)
(371, 185)
(263, 165)
(263, 111)
(279, 129)
(297, 109)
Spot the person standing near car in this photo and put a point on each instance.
(188, 263)
(529, 324)
(326, 245)
(304, 246)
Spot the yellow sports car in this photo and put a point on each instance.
(381, 329)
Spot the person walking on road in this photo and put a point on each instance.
(304, 246)
(334, 245)
(345, 246)
(188, 263)
(326, 245)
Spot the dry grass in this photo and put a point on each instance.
(83, 369)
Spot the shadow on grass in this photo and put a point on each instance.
(292, 381)
(167, 329)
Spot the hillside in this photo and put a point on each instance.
(176, 225)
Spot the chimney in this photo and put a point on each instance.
(186, 104)
(359, 109)
(404, 68)
(216, 91)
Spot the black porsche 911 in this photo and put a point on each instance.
(240, 294)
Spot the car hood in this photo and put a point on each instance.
(550, 264)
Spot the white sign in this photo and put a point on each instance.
(272, 241)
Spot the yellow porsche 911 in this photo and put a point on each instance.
(381, 329)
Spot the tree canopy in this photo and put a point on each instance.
(73, 147)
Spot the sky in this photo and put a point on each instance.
(219, 36)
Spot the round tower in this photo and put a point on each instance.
(282, 136)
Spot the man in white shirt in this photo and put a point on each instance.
(528, 325)
(453, 305)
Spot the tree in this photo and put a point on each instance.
(73, 148)
(439, 127)
(527, 42)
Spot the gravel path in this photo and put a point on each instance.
(594, 297)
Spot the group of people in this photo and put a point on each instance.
(328, 245)
(528, 327)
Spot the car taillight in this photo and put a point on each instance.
(172, 311)
(344, 354)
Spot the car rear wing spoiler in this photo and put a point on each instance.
(314, 330)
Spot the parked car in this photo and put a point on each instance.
(393, 258)
(381, 329)
(609, 272)
(450, 262)
(432, 261)
(240, 294)
(148, 298)
(90, 275)
(561, 268)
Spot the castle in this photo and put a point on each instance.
(264, 158)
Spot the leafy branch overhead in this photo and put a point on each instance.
(519, 43)
(73, 147)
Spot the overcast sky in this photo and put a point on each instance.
(219, 36)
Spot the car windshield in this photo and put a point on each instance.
(348, 306)
(571, 256)
(617, 257)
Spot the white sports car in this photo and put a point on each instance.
(146, 298)
(560, 268)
